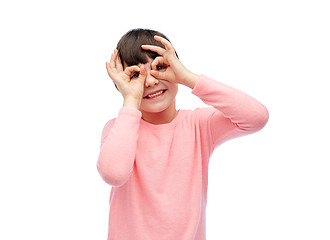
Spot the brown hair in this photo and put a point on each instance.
(129, 46)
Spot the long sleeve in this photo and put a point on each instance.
(118, 147)
(238, 114)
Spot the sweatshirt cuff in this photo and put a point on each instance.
(127, 111)
(201, 84)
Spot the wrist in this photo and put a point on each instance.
(191, 80)
(132, 103)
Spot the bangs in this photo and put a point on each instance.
(129, 46)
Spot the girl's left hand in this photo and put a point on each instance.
(167, 66)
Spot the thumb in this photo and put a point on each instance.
(158, 74)
(142, 74)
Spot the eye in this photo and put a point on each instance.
(135, 75)
(160, 67)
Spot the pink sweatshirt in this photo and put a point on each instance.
(159, 173)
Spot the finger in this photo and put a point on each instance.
(157, 61)
(110, 68)
(110, 72)
(112, 63)
(158, 74)
(132, 69)
(107, 65)
(153, 48)
(164, 41)
(119, 66)
(143, 74)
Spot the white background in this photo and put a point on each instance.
(55, 98)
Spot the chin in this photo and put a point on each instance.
(161, 103)
(154, 108)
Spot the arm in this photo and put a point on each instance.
(238, 113)
(117, 153)
(119, 137)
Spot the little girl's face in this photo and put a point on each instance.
(159, 95)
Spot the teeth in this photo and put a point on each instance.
(155, 94)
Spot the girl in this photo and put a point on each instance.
(156, 157)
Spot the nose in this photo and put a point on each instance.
(150, 80)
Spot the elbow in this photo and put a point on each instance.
(261, 118)
(114, 177)
(256, 121)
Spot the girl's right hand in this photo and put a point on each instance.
(130, 82)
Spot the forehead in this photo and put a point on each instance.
(149, 61)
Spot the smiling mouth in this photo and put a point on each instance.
(156, 94)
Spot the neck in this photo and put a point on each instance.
(162, 117)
